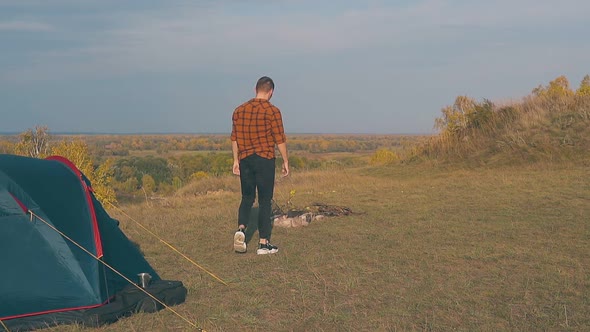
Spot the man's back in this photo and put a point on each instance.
(257, 127)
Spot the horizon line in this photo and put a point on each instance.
(12, 133)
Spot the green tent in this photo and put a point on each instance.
(47, 212)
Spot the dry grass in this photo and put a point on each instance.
(428, 250)
(545, 129)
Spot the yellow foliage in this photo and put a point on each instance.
(456, 118)
(102, 182)
(6, 147)
(101, 178)
(584, 89)
(559, 87)
(384, 157)
(199, 175)
(77, 152)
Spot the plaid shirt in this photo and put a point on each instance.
(257, 127)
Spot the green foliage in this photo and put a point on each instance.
(130, 185)
(176, 182)
(221, 163)
(148, 184)
(186, 165)
(296, 162)
(156, 167)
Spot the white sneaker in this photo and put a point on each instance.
(240, 241)
(267, 248)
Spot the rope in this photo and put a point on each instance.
(114, 270)
(4, 326)
(169, 245)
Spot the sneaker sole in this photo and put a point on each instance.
(266, 251)
(240, 242)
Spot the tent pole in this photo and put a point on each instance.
(106, 284)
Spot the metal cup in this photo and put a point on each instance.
(144, 279)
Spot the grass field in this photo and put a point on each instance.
(428, 249)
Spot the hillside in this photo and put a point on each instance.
(550, 125)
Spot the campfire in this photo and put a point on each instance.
(299, 218)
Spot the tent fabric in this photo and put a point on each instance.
(44, 277)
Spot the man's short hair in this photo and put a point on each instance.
(265, 84)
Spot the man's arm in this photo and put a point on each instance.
(234, 150)
(283, 150)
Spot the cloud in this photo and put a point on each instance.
(24, 26)
(227, 37)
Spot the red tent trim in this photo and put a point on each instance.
(52, 311)
(87, 190)
(22, 206)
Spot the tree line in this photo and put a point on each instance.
(127, 166)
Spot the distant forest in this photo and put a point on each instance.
(133, 166)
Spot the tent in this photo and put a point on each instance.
(48, 213)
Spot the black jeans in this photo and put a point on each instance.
(257, 174)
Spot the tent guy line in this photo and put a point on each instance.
(169, 245)
(33, 215)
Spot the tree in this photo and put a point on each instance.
(33, 143)
(456, 118)
(148, 184)
(130, 185)
(103, 180)
(36, 144)
(100, 178)
(584, 89)
(559, 87)
(77, 152)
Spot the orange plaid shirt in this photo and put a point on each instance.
(257, 127)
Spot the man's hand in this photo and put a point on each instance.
(283, 150)
(236, 168)
(285, 169)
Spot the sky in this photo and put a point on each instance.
(343, 67)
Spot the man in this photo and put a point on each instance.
(257, 127)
